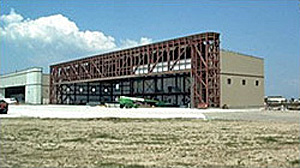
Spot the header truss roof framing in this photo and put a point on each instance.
(165, 57)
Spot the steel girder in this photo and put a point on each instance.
(199, 55)
(206, 71)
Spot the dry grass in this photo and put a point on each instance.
(147, 143)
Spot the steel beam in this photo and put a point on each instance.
(158, 59)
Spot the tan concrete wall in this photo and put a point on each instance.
(238, 67)
(232, 62)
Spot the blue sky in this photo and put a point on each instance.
(39, 33)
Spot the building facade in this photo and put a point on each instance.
(242, 80)
(28, 86)
(188, 71)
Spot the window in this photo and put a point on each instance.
(117, 86)
(228, 81)
(256, 83)
(243, 82)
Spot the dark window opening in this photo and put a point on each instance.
(228, 81)
(243, 82)
(256, 83)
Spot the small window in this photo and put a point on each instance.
(228, 81)
(117, 86)
(256, 83)
(243, 82)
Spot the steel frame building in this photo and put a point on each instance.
(183, 71)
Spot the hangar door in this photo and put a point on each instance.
(16, 92)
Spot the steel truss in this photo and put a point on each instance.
(142, 72)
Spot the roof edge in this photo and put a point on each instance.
(23, 71)
(247, 55)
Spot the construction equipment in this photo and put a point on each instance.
(135, 102)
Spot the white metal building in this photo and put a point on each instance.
(28, 86)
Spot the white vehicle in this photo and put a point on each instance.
(11, 100)
(275, 99)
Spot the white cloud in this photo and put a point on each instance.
(131, 43)
(11, 18)
(145, 40)
(54, 38)
(53, 29)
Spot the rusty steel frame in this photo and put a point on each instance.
(167, 57)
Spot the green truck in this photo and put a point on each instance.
(135, 102)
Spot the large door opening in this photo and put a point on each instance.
(16, 92)
(169, 88)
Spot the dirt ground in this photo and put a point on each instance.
(31, 142)
(265, 116)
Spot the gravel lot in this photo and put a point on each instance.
(271, 116)
(33, 142)
(46, 136)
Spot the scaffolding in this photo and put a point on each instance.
(183, 71)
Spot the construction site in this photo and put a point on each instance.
(191, 71)
(149, 84)
(180, 84)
